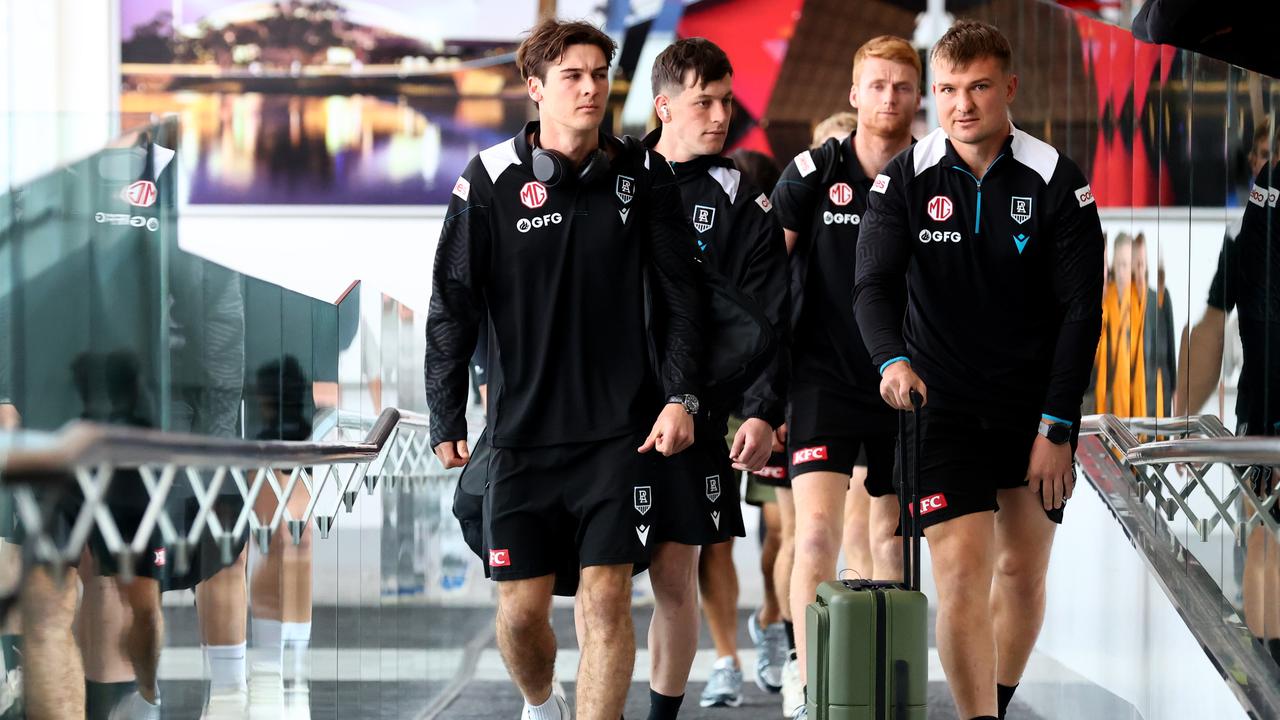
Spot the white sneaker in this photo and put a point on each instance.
(266, 691)
(771, 656)
(792, 687)
(133, 707)
(226, 705)
(801, 713)
(11, 694)
(561, 706)
(724, 687)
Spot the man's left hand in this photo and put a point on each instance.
(1050, 472)
(672, 431)
(751, 445)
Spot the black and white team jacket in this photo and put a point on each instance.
(738, 233)
(1004, 277)
(560, 271)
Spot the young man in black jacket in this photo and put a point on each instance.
(738, 236)
(552, 232)
(834, 411)
(998, 238)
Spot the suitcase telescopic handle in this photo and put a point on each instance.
(909, 494)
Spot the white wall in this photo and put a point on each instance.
(59, 83)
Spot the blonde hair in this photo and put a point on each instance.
(838, 125)
(887, 47)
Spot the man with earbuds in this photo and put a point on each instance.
(550, 242)
(739, 237)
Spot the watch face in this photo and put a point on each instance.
(1059, 433)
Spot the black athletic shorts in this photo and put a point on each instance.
(598, 495)
(838, 454)
(205, 558)
(126, 501)
(966, 459)
(699, 492)
(775, 471)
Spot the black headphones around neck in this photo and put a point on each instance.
(551, 167)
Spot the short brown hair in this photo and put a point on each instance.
(887, 47)
(548, 41)
(970, 40)
(701, 56)
(840, 125)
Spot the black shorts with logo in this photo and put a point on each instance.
(699, 493)
(838, 454)
(542, 502)
(828, 431)
(967, 459)
(775, 471)
(126, 501)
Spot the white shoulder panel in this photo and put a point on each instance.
(729, 179)
(1035, 154)
(499, 158)
(929, 151)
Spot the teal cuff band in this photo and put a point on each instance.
(1051, 418)
(890, 361)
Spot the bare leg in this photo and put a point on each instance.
(886, 546)
(101, 624)
(770, 611)
(820, 499)
(673, 633)
(54, 677)
(719, 582)
(856, 540)
(782, 567)
(610, 652)
(525, 639)
(1024, 539)
(145, 635)
(221, 604)
(963, 552)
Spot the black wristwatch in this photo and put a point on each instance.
(1057, 433)
(688, 402)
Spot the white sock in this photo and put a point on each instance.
(296, 633)
(226, 666)
(548, 710)
(297, 638)
(267, 648)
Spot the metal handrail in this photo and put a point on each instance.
(81, 444)
(1218, 445)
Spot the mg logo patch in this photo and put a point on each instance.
(533, 195)
(703, 217)
(840, 194)
(141, 194)
(713, 488)
(643, 497)
(1020, 209)
(626, 189)
(940, 208)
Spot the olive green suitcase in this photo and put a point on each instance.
(868, 651)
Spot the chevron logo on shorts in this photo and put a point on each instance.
(642, 531)
(715, 518)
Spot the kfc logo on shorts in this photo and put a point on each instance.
(810, 454)
(159, 557)
(643, 497)
(533, 195)
(141, 194)
(499, 558)
(772, 471)
(940, 208)
(933, 502)
(840, 194)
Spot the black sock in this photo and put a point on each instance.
(100, 698)
(1273, 645)
(986, 717)
(791, 634)
(1004, 695)
(663, 707)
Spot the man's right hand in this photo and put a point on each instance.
(897, 383)
(453, 453)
